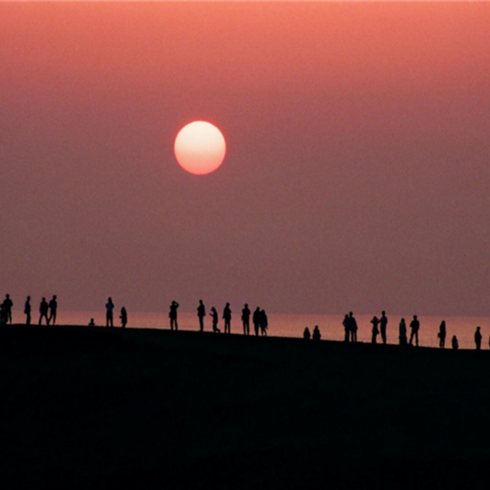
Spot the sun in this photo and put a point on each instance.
(200, 148)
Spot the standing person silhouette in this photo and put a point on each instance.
(316, 333)
(345, 323)
(256, 319)
(214, 318)
(173, 315)
(402, 332)
(124, 317)
(27, 310)
(227, 318)
(201, 313)
(264, 323)
(3, 314)
(415, 326)
(352, 327)
(7, 304)
(109, 313)
(246, 319)
(478, 337)
(43, 310)
(53, 306)
(383, 322)
(375, 330)
(306, 334)
(442, 334)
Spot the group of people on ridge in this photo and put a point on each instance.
(259, 318)
(46, 310)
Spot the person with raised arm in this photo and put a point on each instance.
(173, 315)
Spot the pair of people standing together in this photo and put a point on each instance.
(109, 314)
(214, 319)
(383, 323)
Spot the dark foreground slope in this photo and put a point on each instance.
(94, 408)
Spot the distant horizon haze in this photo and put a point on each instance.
(357, 169)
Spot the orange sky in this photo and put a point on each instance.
(357, 167)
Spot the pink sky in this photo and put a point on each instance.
(357, 175)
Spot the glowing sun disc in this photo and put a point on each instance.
(200, 148)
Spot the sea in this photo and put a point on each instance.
(293, 325)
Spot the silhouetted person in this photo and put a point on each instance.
(402, 332)
(109, 313)
(227, 318)
(375, 331)
(345, 323)
(256, 319)
(246, 319)
(7, 304)
(3, 314)
(124, 317)
(306, 334)
(383, 322)
(478, 337)
(201, 313)
(214, 319)
(316, 333)
(415, 326)
(43, 311)
(264, 323)
(442, 334)
(454, 342)
(91, 323)
(53, 306)
(27, 310)
(352, 327)
(173, 315)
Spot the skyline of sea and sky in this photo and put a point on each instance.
(355, 178)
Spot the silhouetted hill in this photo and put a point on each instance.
(98, 408)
